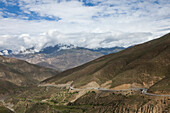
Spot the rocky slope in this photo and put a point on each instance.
(143, 65)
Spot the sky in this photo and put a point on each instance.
(84, 23)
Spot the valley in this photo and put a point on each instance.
(84, 56)
(56, 99)
(132, 80)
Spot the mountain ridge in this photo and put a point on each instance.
(112, 83)
(144, 64)
(63, 59)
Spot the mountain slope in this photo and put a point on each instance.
(22, 73)
(142, 65)
(7, 87)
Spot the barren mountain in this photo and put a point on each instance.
(145, 65)
(22, 73)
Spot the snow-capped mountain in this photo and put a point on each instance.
(5, 52)
(57, 47)
(61, 57)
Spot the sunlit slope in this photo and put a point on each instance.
(144, 65)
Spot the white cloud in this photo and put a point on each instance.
(107, 24)
(82, 39)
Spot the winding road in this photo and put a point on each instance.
(143, 90)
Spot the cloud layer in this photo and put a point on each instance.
(85, 23)
(88, 40)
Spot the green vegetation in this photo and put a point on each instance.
(36, 96)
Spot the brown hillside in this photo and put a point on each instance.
(144, 64)
(22, 73)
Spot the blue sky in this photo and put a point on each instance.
(12, 9)
(86, 23)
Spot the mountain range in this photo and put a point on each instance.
(61, 57)
(145, 65)
(134, 80)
